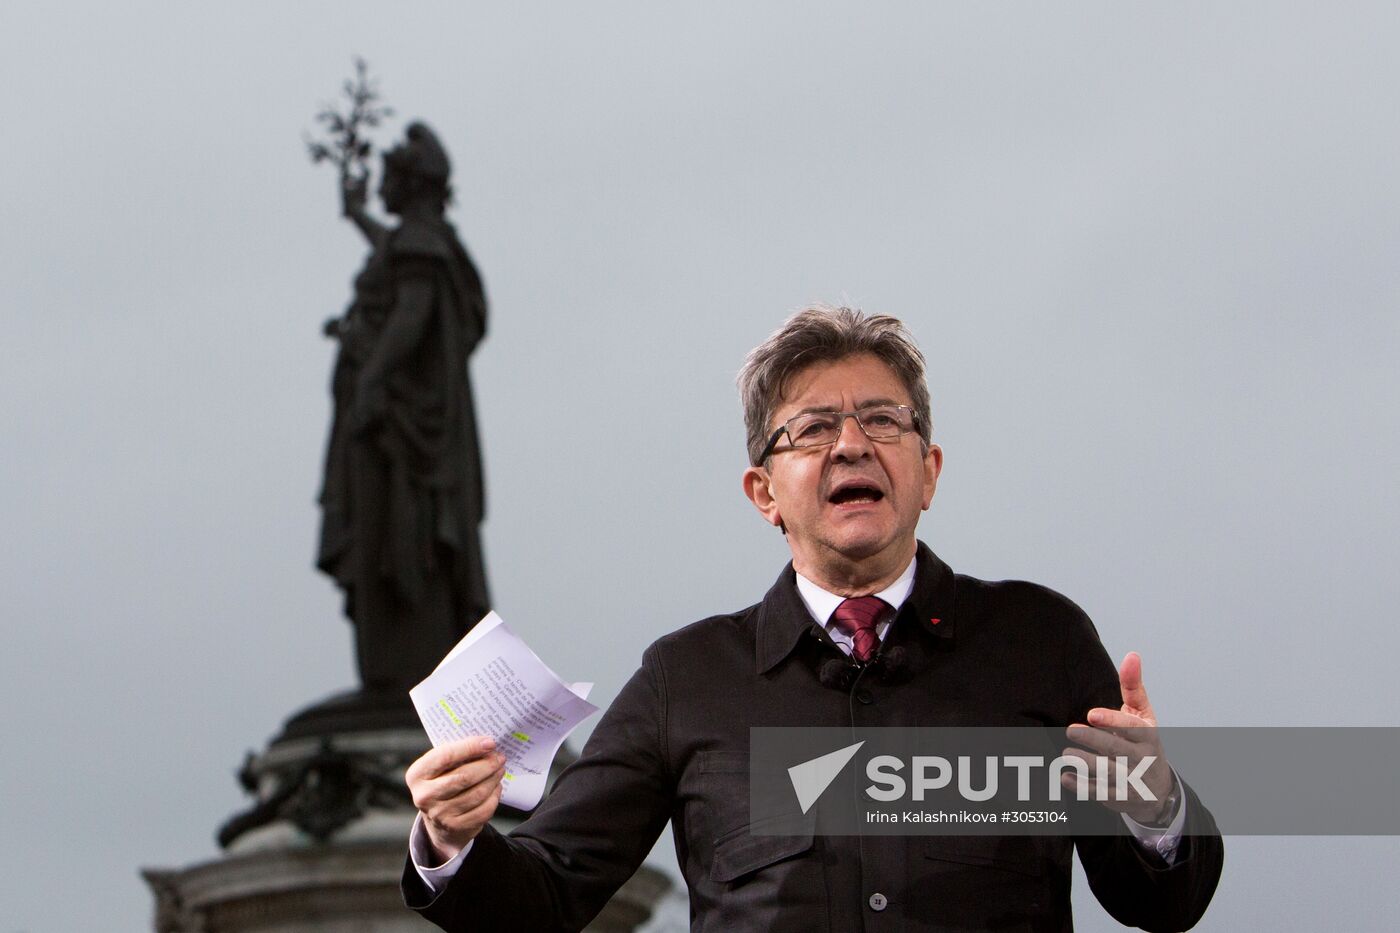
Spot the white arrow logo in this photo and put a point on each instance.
(811, 778)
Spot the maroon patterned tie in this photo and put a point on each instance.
(857, 617)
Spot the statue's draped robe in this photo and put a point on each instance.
(403, 500)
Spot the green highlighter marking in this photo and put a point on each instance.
(521, 736)
(450, 712)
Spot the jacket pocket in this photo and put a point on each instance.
(985, 883)
(744, 853)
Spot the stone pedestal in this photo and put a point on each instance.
(322, 847)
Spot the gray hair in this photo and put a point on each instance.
(821, 334)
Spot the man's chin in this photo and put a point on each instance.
(856, 546)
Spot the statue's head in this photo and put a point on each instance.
(416, 169)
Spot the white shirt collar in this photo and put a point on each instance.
(822, 604)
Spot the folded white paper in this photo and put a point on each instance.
(491, 683)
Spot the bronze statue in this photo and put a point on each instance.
(403, 499)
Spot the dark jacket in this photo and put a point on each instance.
(674, 745)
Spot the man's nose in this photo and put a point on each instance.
(852, 443)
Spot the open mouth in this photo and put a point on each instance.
(850, 494)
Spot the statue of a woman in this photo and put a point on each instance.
(403, 499)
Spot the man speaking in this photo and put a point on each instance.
(836, 409)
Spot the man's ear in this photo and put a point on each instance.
(933, 465)
(757, 486)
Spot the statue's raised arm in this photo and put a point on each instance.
(354, 197)
(347, 146)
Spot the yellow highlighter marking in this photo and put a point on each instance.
(450, 712)
(521, 736)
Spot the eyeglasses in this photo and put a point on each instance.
(819, 428)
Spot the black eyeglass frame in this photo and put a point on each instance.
(843, 415)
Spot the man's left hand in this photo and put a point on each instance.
(1131, 733)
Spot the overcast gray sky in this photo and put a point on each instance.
(1149, 251)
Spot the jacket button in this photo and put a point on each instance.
(878, 901)
(865, 697)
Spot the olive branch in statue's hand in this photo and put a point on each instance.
(345, 143)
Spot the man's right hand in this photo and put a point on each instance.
(457, 788)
